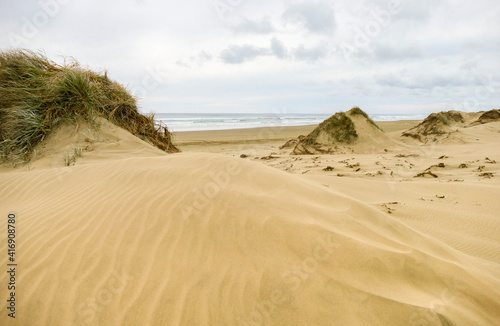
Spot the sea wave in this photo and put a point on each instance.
(198, 122)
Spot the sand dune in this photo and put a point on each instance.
(131, 236)
(142, 236)
(449, 126)
(487, 117)
(344, 132)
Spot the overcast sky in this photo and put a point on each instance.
(244, 56)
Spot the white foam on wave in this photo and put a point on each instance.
(198, 122)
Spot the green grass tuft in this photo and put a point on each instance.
(70, 159)
(443, 119)
(36, 95)
(77, 151)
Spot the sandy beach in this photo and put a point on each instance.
(250, 163)
(130, 235)
(258, 139)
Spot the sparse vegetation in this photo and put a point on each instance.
(329, 168)
(269, 157)
(36, 95)
(486, 117)
(407, 155)
(439, 165)
(423, 174)
(337, 134)
(443, 119)
(70, 158)
(340, 127)
(436, 124)
(77, 151)
(357, 111)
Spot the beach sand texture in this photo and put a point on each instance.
(129, 235)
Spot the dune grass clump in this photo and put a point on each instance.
(434, 125)
(37, 94)
(339, 127)
(70, 159)
(443, 119)
(357, 111)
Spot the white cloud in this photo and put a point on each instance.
(241, 53)
(311, 54)
(263, 26)
(315, 16)
(278, 48)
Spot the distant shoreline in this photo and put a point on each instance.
(223, 140)
(387, 126)
(206, 121)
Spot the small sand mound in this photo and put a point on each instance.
(486, 117)
(82, 143)
(437, 125)
(351, 131)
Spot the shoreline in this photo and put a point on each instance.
(244, 138)
(380, 123)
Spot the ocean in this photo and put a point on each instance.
(220, 121)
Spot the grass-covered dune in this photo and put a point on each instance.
(37, 94)
(351, 131)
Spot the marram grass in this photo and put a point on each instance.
(339, 127)
(37, 94)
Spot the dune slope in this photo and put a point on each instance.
(205, 239)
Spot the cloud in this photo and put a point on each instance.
(428, 81)
(316, 17)
(310, 54)
(419, 11)
(197, 60)
(425, 52)
(204, 56)
(390, 52)
(235, 54)
(254, 27)
(278, 48)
